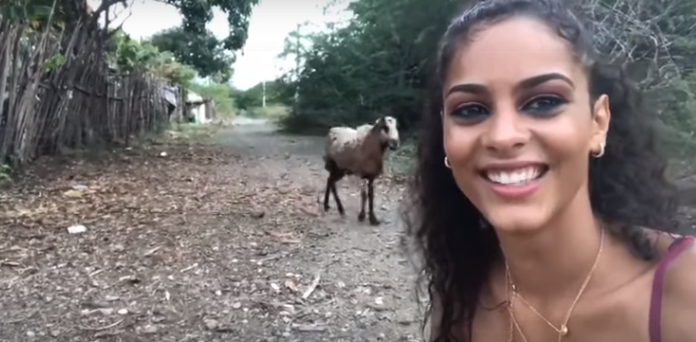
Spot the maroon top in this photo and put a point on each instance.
(654, 323)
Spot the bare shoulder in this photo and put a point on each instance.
(679, 297)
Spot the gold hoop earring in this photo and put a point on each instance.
(447, 163)
(600, 153)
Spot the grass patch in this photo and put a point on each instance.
(271, 112)
(5, 173)
(190, 133)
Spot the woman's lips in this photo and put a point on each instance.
(514, 180)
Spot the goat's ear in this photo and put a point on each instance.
(380, 122)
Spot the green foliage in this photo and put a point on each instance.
(253, 97)
(16, 10)
(126, 55)
(198, 13)
(273, 112)
(244, 100)
(5, 172)
(220, 93)
(36, 12)
(377, 65)
(193, 44)
(54, 62)
(202, 51)
(380, 63)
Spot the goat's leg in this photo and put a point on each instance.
(371, 197)
(329, 184)
(335, 177)
(338, 201)
(363, 199)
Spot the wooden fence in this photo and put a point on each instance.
(60, 92)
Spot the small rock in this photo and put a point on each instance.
(211, 324)
(289, 308)
(309, 328)
(123, 311)
(163, 154)
(149, 329)
(77, 229)
(73, 194)
(55, 333)
(110, 298)
(237, 305)
(291, 285)
(106, 311)
(30, 334)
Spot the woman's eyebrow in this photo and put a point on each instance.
(528, 83)
(543, 78)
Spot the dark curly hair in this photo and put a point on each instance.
(627, 186)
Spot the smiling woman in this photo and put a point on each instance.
(537, 176)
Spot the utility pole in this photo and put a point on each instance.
(263, 97)
(297, 68)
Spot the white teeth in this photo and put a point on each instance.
(516, 177)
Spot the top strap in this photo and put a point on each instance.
(655, 323)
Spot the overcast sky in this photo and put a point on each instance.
(271, 22)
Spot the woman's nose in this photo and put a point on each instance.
(506, 130)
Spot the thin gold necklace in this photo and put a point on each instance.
(508, 300)
(563, 329)
(516, 324)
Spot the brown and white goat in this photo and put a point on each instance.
(358, 152)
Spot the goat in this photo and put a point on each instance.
(359, 152)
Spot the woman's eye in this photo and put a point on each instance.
(471, 112)
(543, 105)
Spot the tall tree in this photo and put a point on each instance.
(202, 51)
(198, 13)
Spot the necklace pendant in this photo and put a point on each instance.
(564, 330)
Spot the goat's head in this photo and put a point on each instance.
(389, 132)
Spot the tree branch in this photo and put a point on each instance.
(105, 5)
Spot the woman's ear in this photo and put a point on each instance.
(601, 116)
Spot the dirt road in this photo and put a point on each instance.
(224, 242)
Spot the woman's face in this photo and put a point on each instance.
(519, 125)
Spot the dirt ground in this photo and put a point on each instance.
(223, 242)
